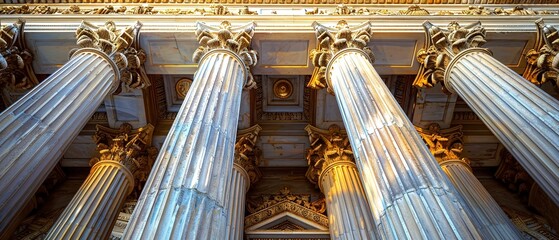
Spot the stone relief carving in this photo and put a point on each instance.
(225, 36)
(16, 72)
(266, 206)
(81, 7)
(333, 40)
(119, 46)
(327, 147)
(511, 173)
(543, 60)
(247, 154)
(441, 46)
(255, 204)
(131, 148)
(444, 144)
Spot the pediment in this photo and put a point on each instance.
(286, 220)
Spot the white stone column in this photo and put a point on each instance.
(184, 195)
(446, 145)
(245, 173)
(35, 130)
(93, 210)
(409, 195)
(522, 116)
(332, 167)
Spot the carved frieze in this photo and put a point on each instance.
(444, 144)
(441, 47)
(327, 147)
(119, 46)
(131, 148)
(247, 154)
(543, 60)
(342, 7)
(16, 72)
(226, 37)
(333, 40)
(267, 206)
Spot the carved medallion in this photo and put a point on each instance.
(182, 86)
(283, 88)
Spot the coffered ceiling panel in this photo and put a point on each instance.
(50, 50)
(169, 53)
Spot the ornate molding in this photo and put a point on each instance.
(266, 206)
(534, 227)
(247, 154)
(196, 7)
(333, 40)
(444, 144)
(236, 40)
(543, 64)
(441, 46)
(327, 147)
(131, 148)
(120, 46)
(511, 173)
(16, 71)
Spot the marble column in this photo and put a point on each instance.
(184, 195)
(409, 195)
(93, 211)
(446, 145)
(35, 130)
(332, 168)
(522, 116)
(245, 173)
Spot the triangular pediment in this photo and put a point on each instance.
(286, 220)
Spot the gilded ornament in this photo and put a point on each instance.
(444, 144)
(326, 147)
(283, 88)
(237, 40)
(15, 61)
(182, 86)
(333, 40)
(131, 148)
(247, 154)
(441, 47)
(543, 64)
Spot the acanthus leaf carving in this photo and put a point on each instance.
(327, 147)
(15, 60)
(543, 64)
(131, 148)
(441, 47)
(119, 45)
(237, 40)
(333, 40)
(247, 154)
(444, 144)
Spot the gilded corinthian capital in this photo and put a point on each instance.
(131, 148)
(441, 46)
(118, 45)
(327, 147)
(331, 41)
(543, 60)
(15, 61)
(247, 154)
(237, 40)
(444, 144)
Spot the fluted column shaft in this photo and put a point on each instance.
(184, 195)
(484, 206)
(235, 203)
(522, 116)
(349, 213)
(408, 193)
(92, 212)
(35, 131)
